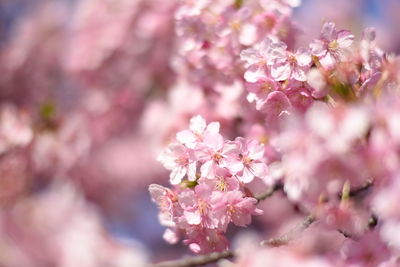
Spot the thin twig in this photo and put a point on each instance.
(348, 235)
(269, 193)
(292, 234)
(358, 190)
(196, 260)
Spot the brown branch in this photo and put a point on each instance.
(292, 234)
(216, 256)
(371, 224)
(196, 260)
(269, 193)
(359, 190)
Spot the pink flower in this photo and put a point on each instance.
(223, 181)
(256, 59)
(299, 95)
(287, 65)
(197, 209)
(332, 47)
(260, 90)
(164, 198)
(232, 21)
(15, 130)
(232, 206)
(246, 159)
(177, 158)
(282, 6)
(210, 152)
(202, 240)
(198, 129)
(371, 55)
(276, 108)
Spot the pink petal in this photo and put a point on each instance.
(327, 61)
(186, 137)
(345, 39)
(191, 171)
(344, 54)
(243, 13)
(281, 72)
(165, 218)
(259, 169)
(254, 73)
(251, 56)
(329, 31)
(299, 73)
(235, 166)
(318, 48)
(213, 127)
(203, 191)
(187, 199)
(256, 150)
(241, 219)
(197, 124)
(206, 169)
(192, 218)
(303, 57)
(278, 52)
(247, 176)
(195, 247)
(276, 103)
(177, 174)
(170, 236)
(294, 3)
(157, 192)
(265, 44)
(214, 141)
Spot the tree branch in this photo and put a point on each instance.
(196, 260)
(216, 256)
(359, 190)
(292, 234)
(267, 194)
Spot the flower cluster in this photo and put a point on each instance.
(322, 120)
(280, 80)
(209, 175)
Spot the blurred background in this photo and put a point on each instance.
(86, 105)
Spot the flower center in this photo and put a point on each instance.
(235, 25)
(216, 157)
(203, 207)
(266, 87)
(247, 161)
(182, 161)
(333, 45)
(221, 185)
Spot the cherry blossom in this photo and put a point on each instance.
(333, 45)
(245, 159)
(287, 65)
(178, 159)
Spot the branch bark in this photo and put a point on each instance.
(292, 234)
(269, 193)
(196, 260)
(354, 192)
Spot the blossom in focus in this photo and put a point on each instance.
(245, 159)
(333, 45)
